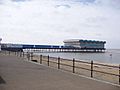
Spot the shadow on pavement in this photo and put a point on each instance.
(2, 80)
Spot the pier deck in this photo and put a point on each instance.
(18, 74)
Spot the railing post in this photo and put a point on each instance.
(73, 65)
(31, 55)
(40, 59)
(9, 52)
(119, 74)
(58, 62)
(17, 53)
(20, 54)
(48, 60)
(91, 69)
(23, 54)
(28, 56)
(14, 53)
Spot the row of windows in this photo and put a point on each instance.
(85, 45)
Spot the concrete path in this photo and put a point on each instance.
(17, 74)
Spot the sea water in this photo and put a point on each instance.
(110, 56)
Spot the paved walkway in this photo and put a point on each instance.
(17, 74)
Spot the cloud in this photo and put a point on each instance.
(59, 6)
(52, 21)
(109, 3)
(19, 0)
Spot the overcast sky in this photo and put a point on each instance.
(52, 21)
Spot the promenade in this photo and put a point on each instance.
(18, 74)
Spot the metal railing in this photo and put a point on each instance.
(94, 70)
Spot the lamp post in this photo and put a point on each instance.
(0, 43)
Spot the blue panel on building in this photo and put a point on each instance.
(27, 46)
(42, 46)
(55, 46)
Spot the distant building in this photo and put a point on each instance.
(0, 43)
(85, 44)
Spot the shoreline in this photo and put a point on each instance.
(78, 58)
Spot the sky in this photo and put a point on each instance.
(53, 21)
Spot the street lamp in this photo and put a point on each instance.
(0, 43)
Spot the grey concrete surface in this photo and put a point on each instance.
(17, 74)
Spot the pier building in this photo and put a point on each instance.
(85, 44)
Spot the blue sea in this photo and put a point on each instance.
(110, 56)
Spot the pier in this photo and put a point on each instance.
(78, 45)
(66, 50)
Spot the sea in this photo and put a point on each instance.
(111, 56)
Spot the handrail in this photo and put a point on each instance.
(74, 64)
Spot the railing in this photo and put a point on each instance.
(91, 69)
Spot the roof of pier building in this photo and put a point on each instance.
(81, 40)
